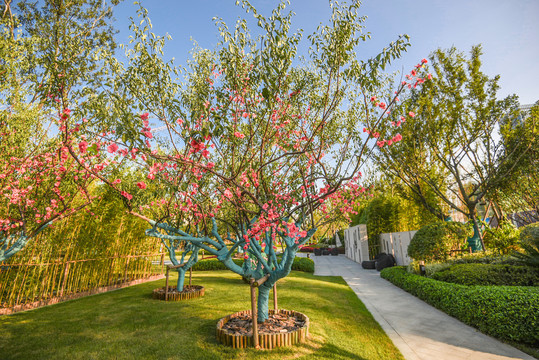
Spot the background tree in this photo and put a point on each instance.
(458, 119)
(519, 193)
(51, 58)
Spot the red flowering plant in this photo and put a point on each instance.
(256, 151)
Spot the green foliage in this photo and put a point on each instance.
(489, 274)
(529, 233)
(484, 258)
(505, 312)
(520, 191)
(386, 213)
(299, 264)
(529, 242)
(502, 240)
(452, 142)
(213, 264)
(434, 242)
(303, 264)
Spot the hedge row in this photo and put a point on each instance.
(505, 312)
(300, 264)
(489, 274)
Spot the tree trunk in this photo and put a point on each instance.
(475, 241)
(181, 279)
(263, 301)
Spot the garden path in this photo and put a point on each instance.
(420, 331)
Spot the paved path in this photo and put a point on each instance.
(419, 331)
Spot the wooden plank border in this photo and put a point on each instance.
(175, 296)
(265, 341)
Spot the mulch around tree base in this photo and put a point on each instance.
(172, 289)
(276, 323)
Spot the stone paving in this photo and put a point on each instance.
(420, 331)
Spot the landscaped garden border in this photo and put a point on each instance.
(505, 312)
(265, 341)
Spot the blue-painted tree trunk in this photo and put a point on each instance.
(263, 301)
(475, 240)
(181, 278)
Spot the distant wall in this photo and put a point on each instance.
(397, 245)
(356, 243)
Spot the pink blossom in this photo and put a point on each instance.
(424, 61)
(112, 148)
(429, 76)
(83, 145)
(228, 194)
(411, 114)
(144, 116)
(126, 195)
(141, 185)
(239, 135)
(382, 105)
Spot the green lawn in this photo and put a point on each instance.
(129, 324)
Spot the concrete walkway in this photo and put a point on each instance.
(417, 329)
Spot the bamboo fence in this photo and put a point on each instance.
(79, 256)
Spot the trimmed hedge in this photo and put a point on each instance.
(489, 274)
(300, 264)
(213, 264)
(505, 312)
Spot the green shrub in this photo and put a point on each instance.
(484, 257)
(434, 242)
(502, 240)
(529, 232)
(505, 312)
(299, 264)
(213, 264)
(489, 274)
(303, 264)
(529, 242)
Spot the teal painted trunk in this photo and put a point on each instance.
(263, 301)
(475, 240)
(181, 279)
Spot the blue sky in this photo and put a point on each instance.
(507, 29)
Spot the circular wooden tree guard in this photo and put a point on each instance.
(265, 341)
(173, 295)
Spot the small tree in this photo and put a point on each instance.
(451, 145)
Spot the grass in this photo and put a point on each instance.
(129, 324)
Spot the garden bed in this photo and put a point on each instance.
(189, 292)
(284, 328)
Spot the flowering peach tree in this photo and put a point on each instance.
(258, 148)
(50, 60)
(39, 184)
